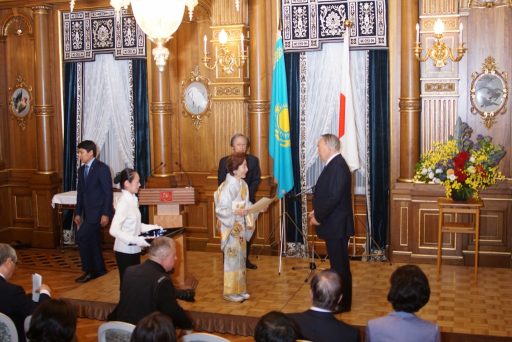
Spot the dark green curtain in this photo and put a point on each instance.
(141, 121)
(293, 203)
(70, 88)
(379, 146)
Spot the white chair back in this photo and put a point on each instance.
(115, 331)
(26, 323)
(202, 337)
(8, 331)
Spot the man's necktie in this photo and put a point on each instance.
(86, 171)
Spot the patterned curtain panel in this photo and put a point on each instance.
(307, 24)
(87, 33)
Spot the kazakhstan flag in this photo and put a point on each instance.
(279, 130)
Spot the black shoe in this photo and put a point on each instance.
(97, 275)
(84, 278)
(250, 265)
(186, 295)
(340, 309)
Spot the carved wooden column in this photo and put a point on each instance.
(45, 182)
(259, 103)
(43, 108)
(160, 111)
(410, 103)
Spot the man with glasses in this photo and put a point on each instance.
(14, 302)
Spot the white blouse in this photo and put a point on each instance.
(126, 224)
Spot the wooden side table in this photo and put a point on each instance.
(449, 206)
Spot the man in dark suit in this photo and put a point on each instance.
(240, 143)
(93, 210)
(332, 211)
(14, 302)
(147, 288)
(319, 323)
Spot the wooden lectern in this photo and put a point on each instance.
(168, 203)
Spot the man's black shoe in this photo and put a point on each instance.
(340, 309)
(84, 278)
(250, 265)
(97, 275)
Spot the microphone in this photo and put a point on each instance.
(183, 172)
(306, 191)
(153, 171)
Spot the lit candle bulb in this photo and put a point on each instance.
(461, 27)
(205, 43)
(417, 32)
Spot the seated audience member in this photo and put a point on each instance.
(14, 302)
(53, 321)
(156, 327)
(319, 323)
(147, 288)
(275, 326)
(408, 293)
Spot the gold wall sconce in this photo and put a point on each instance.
(227, 59)
(439, 52)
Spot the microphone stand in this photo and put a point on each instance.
(312, 265)
(182, 171)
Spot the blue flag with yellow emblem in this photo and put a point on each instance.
(279, 131)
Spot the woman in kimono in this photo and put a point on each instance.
(236, 226)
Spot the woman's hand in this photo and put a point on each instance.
(240, 212)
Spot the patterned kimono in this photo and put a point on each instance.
(235, 231)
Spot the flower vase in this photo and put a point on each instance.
(462, 194)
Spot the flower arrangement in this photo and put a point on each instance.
(462, 166)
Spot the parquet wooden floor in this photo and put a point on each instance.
(462, 305)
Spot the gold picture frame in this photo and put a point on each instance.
(489, 92)
(20, 102)
(196, 97)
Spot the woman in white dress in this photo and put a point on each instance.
(126, 225)
(236, 226)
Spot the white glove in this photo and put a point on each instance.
(140, 241)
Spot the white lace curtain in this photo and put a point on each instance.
(323, 84)
(108, 110)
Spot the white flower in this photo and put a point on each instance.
(431, 175)
(452, 177)
(424, 171)
(437, 181)
(439, 170)
(471, 169)
(472, 159)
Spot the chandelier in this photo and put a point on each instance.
(439, 52)
(158, 19)
(226, 59)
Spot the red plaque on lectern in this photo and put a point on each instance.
(166, 196)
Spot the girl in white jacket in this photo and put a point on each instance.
(126, 225)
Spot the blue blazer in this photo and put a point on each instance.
(16, 304)
(94, 194)
(399, 326)
(332, 200)
(324, 327)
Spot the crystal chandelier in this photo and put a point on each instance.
(158, 19)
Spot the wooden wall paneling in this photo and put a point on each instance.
(4, 111)
(20, 62)
(495, 40)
